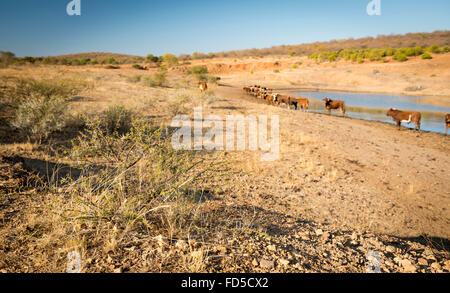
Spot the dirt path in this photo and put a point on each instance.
(348, 173)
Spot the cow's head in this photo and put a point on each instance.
(326, 100)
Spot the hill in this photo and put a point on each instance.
(440, 38)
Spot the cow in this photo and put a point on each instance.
(270, 98)
(447, 123)
(303, 104)
(202, 86)
(334, 105)
(283, 99)
(400, 117)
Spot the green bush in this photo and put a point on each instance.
(197, 70)
(85, 61)
(433, 49)
(426, 56)
(445, 49)
(400, 57)
(39, 116)
(151, 58)
(418, 51)
(170, 59)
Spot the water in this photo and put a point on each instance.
(374, 107)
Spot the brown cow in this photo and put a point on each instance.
(447, 123)
(405, 117)
(202, 86)
(334, 105)
(283, 99)
(303, 104)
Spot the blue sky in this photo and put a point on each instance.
(141, 27)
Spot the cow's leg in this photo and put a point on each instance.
(399, 124)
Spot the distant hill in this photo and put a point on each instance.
(441, 38)
(100, 57)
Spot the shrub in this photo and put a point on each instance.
(85, 61)
(360, 60)
(6, 58)
(138, 67)
(151, 58)
(170, 59)
(65, 88)
(116, 120)
(158, 79)
(197, 70)
(400, 57)
(426, 56)
(39, 116)
(433, 49)
(445, 49)
(418, 51)
(410, 52)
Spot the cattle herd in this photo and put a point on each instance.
(302, 103)
(272, 98)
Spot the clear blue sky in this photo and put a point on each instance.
(140, 27)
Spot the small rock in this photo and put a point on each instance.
(422, 262)
(390, 249)
(408, 266)
(267, 264)
(319, 232)
(354, 236)
(271, 248)
(436, 266)
(447, 265)
(255, 263)
(325, 236)
(118, 271)
(283, 262)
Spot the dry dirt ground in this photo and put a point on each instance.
(350, 173)
(341, 189)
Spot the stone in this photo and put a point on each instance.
(408, 266)
(436, 266)
(271, 248)
(422, 262)
(255, 263)
(283, 262)
(390, 249)
(319, 232)
(267, 264)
